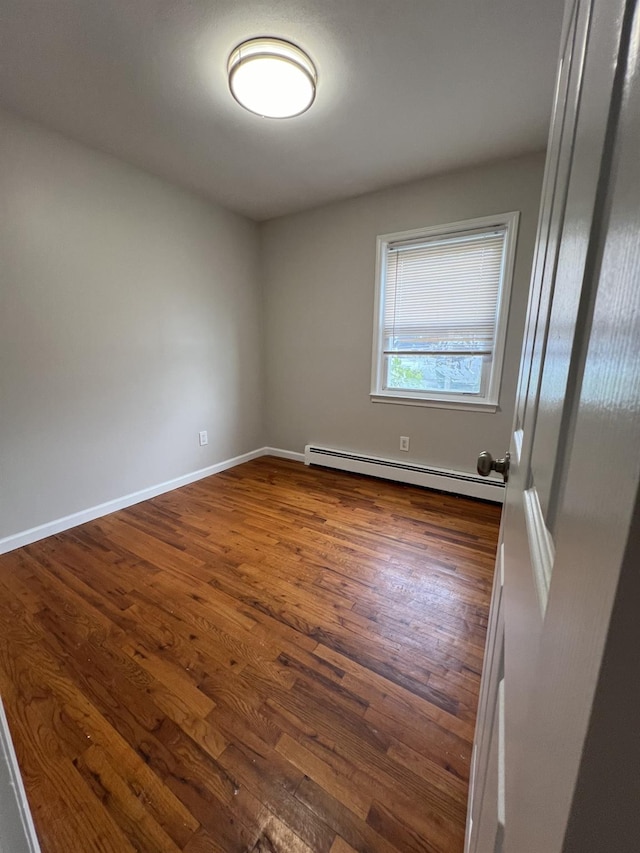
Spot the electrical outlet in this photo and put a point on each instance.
(203, 437)
(404, 442)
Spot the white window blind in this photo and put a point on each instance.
(442, 295)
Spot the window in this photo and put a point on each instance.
(441, 313)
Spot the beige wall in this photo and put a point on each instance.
(318, 272)
(129, 320)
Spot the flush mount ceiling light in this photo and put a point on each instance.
(272, 78)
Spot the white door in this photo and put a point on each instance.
(539, 680)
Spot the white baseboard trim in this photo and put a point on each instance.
(17, 832)
(457, 482)
(448, 481)
(283, 454)
(26, 537)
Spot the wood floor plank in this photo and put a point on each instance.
(274, 780)
(341, 846)
(336, 783)
(358, 833)
(74, 723)
(277, 658)
(121, 802)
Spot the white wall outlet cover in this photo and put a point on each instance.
(404, 442)
(203, 437)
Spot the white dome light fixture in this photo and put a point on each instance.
(272, 78)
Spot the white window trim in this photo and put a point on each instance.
(489, 402)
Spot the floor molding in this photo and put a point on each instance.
(33, 534)
(389, 469)
(283, 454)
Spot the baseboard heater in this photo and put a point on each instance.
(442, 479)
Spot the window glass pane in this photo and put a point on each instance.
(458, 374)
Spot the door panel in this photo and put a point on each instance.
(506, 771)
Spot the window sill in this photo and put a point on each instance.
(462, 405)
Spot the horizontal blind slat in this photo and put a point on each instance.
(443, 290)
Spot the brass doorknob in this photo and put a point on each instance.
(487, 464)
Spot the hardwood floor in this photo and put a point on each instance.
(276, 658)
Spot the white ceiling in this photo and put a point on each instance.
(407, 88)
